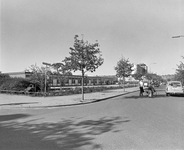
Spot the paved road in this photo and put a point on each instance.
(121, 123)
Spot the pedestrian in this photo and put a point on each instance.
(141, 87)
(151, 87)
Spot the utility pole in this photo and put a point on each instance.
(178, 36)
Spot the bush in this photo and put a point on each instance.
(20, 84)
(3, 78)
(7, 84)
(15, 84)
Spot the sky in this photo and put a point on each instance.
(36, 31)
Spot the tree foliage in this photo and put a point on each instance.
(3, 78)
(38, 75)
(84, 56)
(62, 72)
(61, 69)
(180, 72)
(123, 68)
(153, 76)
(15, 84)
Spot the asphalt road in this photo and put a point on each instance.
(121, 123)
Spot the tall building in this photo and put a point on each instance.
(141, 68)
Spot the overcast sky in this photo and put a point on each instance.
(36, 31)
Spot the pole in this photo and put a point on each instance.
(45, 80)
(82, 85)
(124, 84)
(178, 36)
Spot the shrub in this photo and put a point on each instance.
(16, 84)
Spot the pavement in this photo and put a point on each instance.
(8, 101)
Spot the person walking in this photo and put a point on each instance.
(141, 87)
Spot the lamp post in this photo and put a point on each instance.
(150, 66)
(178, 36)
(46, 64)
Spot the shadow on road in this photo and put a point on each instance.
(12, 117)
(145, 96)
(65, 135)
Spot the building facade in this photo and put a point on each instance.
(19, 74)
(76, 80)
(72, 80)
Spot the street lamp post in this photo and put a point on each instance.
(150, 66)
(178, 36)
(46, 64)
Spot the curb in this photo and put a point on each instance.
(79, 104)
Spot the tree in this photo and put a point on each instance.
(61, 71)
(84, 57)
(123, 69)
(13, 83)
(38, 75)
(151, 76)
(156, 78)
(3, 78)
(180, 72)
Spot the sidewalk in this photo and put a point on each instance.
(21, 101)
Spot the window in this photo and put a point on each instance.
(175, 84)
(73, 81)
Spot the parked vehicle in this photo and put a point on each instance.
(174, 88)
(32, 88)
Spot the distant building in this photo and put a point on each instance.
(19, 74)
(72, 80)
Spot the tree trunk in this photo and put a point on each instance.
(82, 85)
(124, 84)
